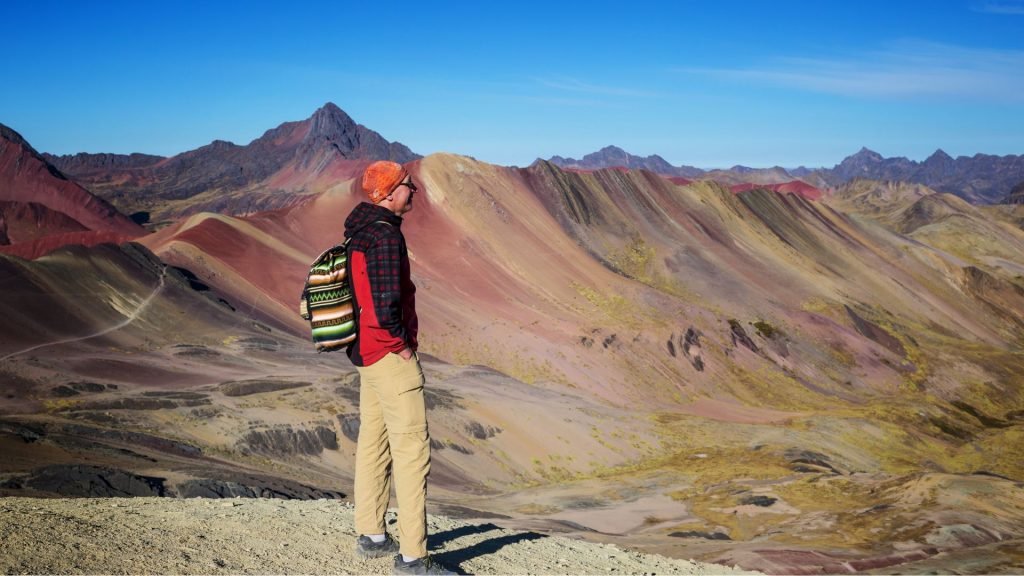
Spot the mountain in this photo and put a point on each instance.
(275, 170)
(682, 330)
(740, 376)
(980, 179)
(38, 204)
(801, 171)
(612, 157)
(985, 237)
(744, 175)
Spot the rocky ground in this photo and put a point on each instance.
(265, 536)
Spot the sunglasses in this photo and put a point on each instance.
(412, 187)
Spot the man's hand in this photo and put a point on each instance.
(406, 353)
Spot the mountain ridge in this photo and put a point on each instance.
(613, 156)
(979, 179)
(277, 168)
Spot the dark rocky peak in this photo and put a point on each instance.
(214, 149)
(610, 150)
(866, 155)
(219, 145)
(608, 155)
(939, 156)
(331, 126)
(937, 167)
(331, 123)
(331, 131)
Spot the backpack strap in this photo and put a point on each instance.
(363, 227)
(342, 246)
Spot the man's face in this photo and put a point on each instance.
(402, 196)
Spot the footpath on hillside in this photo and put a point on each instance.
(263, 536)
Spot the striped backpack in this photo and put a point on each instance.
(327, 299)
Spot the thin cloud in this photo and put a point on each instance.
(574, 85)
(547, 100)
(906, 70)
(1007, 8)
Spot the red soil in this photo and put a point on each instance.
(28, 221)
(797, 187)
(25, 178)
(42, 246)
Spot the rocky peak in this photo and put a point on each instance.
(217, 145)
(330, 127)
(330, 122)
(607, 157)
(613, 156)
(937, 167)
(866, 155)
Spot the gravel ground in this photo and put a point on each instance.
(260, 536)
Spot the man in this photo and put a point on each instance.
(393, 438)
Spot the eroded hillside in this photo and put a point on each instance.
(750, 377)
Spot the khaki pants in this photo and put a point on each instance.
(393, 442)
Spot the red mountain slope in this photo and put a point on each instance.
(802, 189)
(38, 201)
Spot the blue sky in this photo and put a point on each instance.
(709, 84)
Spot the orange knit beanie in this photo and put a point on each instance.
(381, 178)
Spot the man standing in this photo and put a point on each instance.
(393, 439)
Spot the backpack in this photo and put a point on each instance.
(327, 299)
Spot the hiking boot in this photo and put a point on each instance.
(367, 548)
(419, 566)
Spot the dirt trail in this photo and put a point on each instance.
(262, 536)
(128, 320)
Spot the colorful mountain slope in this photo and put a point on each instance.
(984, 236)
(804, 375)
(37, 203)
(797, 187)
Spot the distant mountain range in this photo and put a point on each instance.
(615, 157)
(289, 158)
(979, 179)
